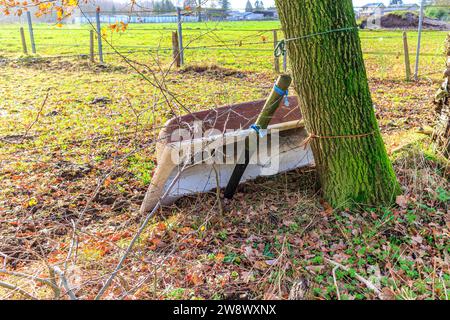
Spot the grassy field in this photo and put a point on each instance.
(243, 46)
(77, 144)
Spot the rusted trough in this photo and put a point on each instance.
(198, 152)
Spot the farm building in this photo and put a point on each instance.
(379, 8)
(372, 8)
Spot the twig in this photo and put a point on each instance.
(443, 285)
(37, 117)
(368, 284)
(219, 201)
(335, 283)
(30, 277)
(65, 283)
(5, 257)
(136, 237)
(15, 288)
(72, 245)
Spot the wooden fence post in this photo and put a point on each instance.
(30, 29)
(406, 51)
(24, 43)
(91, 45)
(276, 62)
(176, 49)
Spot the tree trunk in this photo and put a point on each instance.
(442, 100)
(330, 79)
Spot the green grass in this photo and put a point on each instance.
(383, 49)
(73, 130)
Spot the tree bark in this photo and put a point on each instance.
(330, 79)
(441, 134)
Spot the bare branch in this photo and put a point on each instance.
(368, 284)
(65, 283)
(19, 290)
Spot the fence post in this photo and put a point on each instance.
(24, 43)
(99, 35)
(176, 48)
(276, 62)
(406, 51)
(416, 70)
(30, 29)
(180, 36)
(91, 45)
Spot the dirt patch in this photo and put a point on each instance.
(213, 71)
(16, 138)
(406, 20)
(80, 64)
(72, 171)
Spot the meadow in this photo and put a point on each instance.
(242, 46)
(77, 145)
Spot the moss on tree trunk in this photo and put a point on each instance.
(330, 78)
(442, 100)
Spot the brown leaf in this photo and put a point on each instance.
(402, 201)
(387, 294)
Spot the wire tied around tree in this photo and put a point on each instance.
(352, 136)
(280, 49)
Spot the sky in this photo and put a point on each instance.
(241, 3)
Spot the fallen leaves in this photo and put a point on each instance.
(402, 201)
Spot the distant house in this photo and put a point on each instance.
(402, 7)
(215, 14)
(268, 13)
(371, 9)
(242, 16)
(255, 15)
(379, 8)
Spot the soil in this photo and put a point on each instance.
(408, 20)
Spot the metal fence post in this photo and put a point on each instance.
(30, 29)
(406, 51)
(416, 70)
(24, 43)
(99, 35)
(180, 36)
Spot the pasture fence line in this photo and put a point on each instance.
(178, 50)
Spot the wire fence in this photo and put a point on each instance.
(69, 42)
(211, 40)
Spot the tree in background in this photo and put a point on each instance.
(395, 2)
(330, 79)
(163, 6)
(248, 6)
(438, 9)
(225, 5)
(195, 6)
(259, 5)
